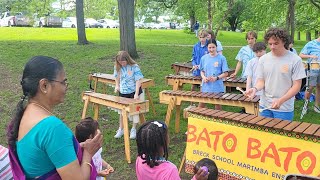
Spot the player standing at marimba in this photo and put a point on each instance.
(199, 50)
(312, 51)
(214, 68)
(259, 50)
(245, 54)
(280, 73)
(128, 76)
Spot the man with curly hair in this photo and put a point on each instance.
(279, 76)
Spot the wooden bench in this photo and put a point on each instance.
(109, 79)
(175, 98)
(127, 106)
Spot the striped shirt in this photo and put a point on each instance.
(5, 168)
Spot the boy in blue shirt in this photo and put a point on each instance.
(199, 50)
(312, 51)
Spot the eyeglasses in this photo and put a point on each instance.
(64, 82)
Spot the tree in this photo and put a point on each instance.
(316, 3)
(82, 38)
(127, 34)
(234, 17)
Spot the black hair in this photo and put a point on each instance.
(86, 128)
(211, 165)
(212, 41)
(259, 46)
(37, 68)
(152, 136)
(278, 33)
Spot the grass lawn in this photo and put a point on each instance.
(158, 49)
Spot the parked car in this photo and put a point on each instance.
(139, 25)
(69, 22)
(49, 21)
(92, 23)
(19, 19)
(108, 23)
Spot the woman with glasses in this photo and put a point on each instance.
(41, 146)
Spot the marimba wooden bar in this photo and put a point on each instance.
(127, 106)
(175, 98)
(109, 79)
(177, 81)
(184, 68)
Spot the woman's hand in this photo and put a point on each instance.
(93, 145)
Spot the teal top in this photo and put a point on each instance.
(47, 146)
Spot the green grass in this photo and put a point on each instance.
(158, 49)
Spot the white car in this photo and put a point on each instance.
(69, 22)
(108, 23)
(6, 19)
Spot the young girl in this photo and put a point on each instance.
(214, 68)
(128, 76)
(87, 129)
(152, 161)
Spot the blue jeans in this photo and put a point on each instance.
(276, 114)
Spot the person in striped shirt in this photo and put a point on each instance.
(5, 167)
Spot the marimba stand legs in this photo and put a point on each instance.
(85, 107)
(183, 160)
(126, 135)
(171, 106)
(150, 100)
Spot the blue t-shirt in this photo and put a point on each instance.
(213, 66)
(312, 48)
(47, 146)
(245, 55)
(128, 77)
(197, 53)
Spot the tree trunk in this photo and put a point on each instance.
(299, 35)
(209, 15)
(127, 33)
(292, 13)
(308, 36)
(192, 16)
(230, 5)
(82, 39)
(316, 34)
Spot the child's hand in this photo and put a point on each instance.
(251, 92)
(136, 96)
(116, 89)
(195, 67)
(233, 75)
(106, 171)
(205, 79)
(202, 174)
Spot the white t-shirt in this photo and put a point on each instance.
(97, 160)
(278, 74)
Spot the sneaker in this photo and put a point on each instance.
(133, 133)
(316, 109)
(119, 133)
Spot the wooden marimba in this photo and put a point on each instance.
(127, 106)
(269, 129)
(175, 98)
(177, 81)
(185, 68)
(109, 79)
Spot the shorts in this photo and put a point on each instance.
(277, 114)
(131, 95)
(134, 118)
(314, 80)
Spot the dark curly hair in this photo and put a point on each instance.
(278, 33)
(152, 136)
(86, 128)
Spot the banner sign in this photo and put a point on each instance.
(250, 152)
